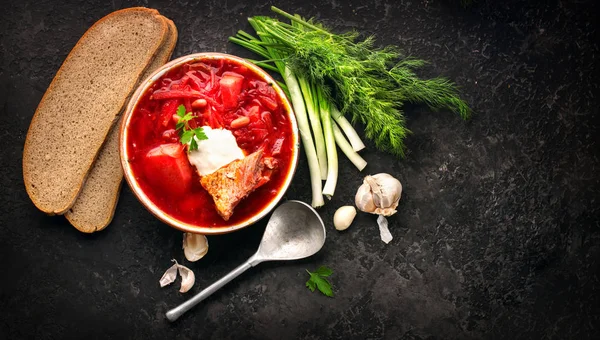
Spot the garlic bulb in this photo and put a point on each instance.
(195, 246)
(379, 194)
(187, 277)
(343, 217)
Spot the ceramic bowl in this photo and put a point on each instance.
(141, 195)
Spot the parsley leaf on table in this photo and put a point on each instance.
(187, 134)
(318, 281)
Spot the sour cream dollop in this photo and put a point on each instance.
(215, 152)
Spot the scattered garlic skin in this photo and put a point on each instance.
(343, 217)
(195, 246)
(169, 276)
(379, 194)
(384, 231)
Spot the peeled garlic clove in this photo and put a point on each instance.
(364, 199)
(195, 246)
(343, 217)
(384, 231)
(187, 278)
(169, 276)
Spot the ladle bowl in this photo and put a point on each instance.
(294, 231)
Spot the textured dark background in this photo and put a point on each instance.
(497, 234)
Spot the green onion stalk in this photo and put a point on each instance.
(332, 161)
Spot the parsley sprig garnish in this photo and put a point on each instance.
(186, 133)
(318, 280)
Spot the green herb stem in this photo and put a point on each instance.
(332, 160)
(312, 109)
(264, 65)
(297, 19)
(349, 131)
(346, 148)
(307, 141)
(250, 46)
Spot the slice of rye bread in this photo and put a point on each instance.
(95, 206)
(83, 101)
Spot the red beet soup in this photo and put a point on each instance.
(221, 94)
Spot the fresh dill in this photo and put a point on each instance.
(370, 84)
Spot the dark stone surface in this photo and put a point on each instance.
(497, 234)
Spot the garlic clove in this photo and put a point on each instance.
(384, 231)
(187, 278)
(375, 189)
(169, 276)
(364, 199)
(343, 217)
(195, 246)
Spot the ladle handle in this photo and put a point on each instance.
(178, 311)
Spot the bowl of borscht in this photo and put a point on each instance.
(209, 143)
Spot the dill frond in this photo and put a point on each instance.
(367, 83)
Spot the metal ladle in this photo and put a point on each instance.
(294, 231)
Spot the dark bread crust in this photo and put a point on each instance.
(67, 131)
(95, 206)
